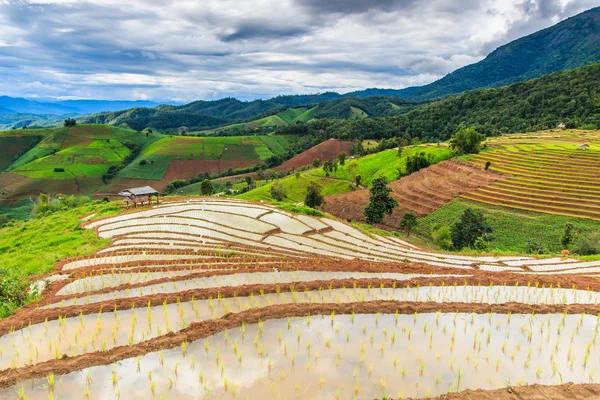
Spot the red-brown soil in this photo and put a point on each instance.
(184, 169)
(422, 192)
(325, 151)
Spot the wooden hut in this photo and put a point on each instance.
(139, 195)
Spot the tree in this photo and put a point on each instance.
(567, 237)
(278, 191)
(416, 162)
(316, 163)
(488, 164)
(342, 158)
(471, 226)
(467, 141)
(313, 198)
(408, 222)
(358, 179)
(380, 202)
(206, 188)
(70, 122)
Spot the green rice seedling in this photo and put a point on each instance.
(50, 380)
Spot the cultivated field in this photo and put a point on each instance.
(213, 298)
(551, 173)
(182, 157)
(325, 151)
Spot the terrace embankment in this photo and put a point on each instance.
(422, 192)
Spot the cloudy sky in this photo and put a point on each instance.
(183, 50)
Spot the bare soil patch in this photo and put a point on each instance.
(325, 151)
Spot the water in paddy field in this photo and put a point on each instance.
(363, 356)
(102, 331)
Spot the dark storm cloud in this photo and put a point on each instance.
(261, 30)
(356, 6)
(191, 49)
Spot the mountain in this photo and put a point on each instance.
(17, 105)
(204, 115)
(96, 106)
(569, 97)
(574, 42)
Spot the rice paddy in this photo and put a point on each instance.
(210, 298)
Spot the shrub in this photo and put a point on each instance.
(408, 222)
(380, 202)
(278, 191)
(567, 237)
(313, 198)
(416, 162)
(58, 169)
(442, 236)
(143, 162)
(488, 164)
(467, 141)
(471, 226)
(587, 245)
(206, 188)
(13, 293)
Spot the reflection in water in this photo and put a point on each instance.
(348, 356)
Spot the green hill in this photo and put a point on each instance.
(569, 97)
(383, 164)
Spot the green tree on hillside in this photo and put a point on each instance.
(278, 191)
(316, 163)
(467, 141)
(342, 158)
(313, 198)
(408, 222)
(70, 122)
(206, 188)
(471, 226)
(380, 202)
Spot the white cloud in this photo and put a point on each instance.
(205, 49)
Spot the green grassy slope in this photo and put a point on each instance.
(512, 229)
(296, 188)
(384, 164)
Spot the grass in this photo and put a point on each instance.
(512, 228)
(283, 118)
(384, 164)
(34, 247)
(296, 188)
(12, 146)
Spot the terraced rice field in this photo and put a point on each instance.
(550, 173)
(422, 192)
(209, 298)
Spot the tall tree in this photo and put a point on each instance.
(206, 188)
(408, 222)
(380, 202)
(467, 141)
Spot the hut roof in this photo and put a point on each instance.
(139, 191)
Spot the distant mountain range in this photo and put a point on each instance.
(18, 105)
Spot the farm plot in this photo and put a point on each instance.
(552, 174)
(183, 157)
(227, 298)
